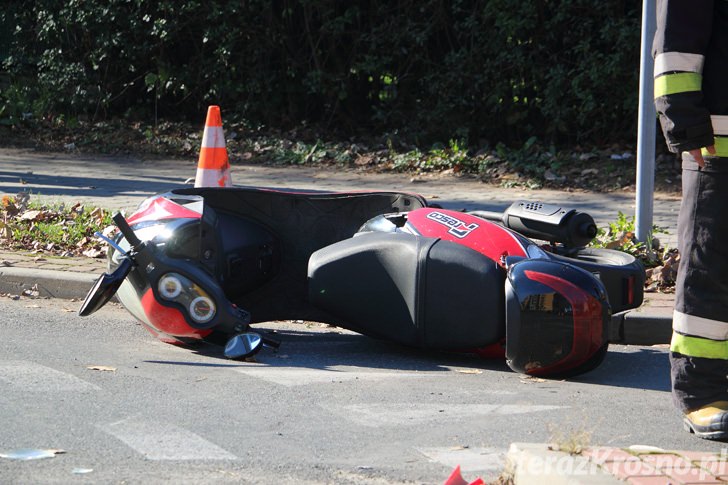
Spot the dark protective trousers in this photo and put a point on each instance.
(702, 283)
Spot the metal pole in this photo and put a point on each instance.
(646, 131)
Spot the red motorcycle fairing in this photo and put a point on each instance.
(169, 321)
(166, 323)
(166, 206)
(488, 238)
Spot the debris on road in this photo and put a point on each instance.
(31, 454)
(103, 368)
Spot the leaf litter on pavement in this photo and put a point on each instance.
(52, 229)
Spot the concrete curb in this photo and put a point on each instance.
(49, 283)
(641, 327)
(646, 328)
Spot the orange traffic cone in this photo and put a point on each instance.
(213, 169)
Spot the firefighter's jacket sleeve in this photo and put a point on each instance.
(682, 42)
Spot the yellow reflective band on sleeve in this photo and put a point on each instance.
(682, 82)
(699, 347)
(721, 148)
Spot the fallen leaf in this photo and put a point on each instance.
(623, 239)
(108, 231)
(93, 253)
(8, 203)
(98, 214)
(34, 215)
(469, 371)
(530, 379)
(21, 200)
(32, 292)
(104, 368)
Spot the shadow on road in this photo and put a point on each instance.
(638, 368)
(628, 367)
(329, 350)
(64, 185)
(192, 364)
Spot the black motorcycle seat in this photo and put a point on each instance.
(414, 290)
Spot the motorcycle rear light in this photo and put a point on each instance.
(586, 314)
(181, 290)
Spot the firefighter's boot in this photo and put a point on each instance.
(708, 422)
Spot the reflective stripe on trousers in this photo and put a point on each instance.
(700, 321)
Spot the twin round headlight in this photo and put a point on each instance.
(179, 289)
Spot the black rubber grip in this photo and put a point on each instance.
(128, 233)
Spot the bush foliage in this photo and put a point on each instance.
(474, 70)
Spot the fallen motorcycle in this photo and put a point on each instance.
(204, 264)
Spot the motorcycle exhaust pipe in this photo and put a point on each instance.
(548, 222)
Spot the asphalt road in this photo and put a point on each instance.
(329, 406)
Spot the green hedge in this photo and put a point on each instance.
(480, 71)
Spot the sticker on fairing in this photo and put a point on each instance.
(455, 226)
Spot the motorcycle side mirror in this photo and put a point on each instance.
(243, 345)
(105, 288)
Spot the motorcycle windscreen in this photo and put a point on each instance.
(413, 290)
(299, 223)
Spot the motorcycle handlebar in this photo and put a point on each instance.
(126, 230)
